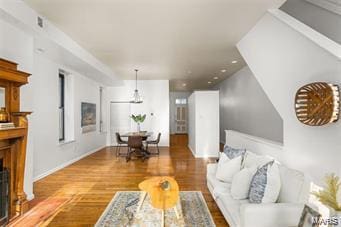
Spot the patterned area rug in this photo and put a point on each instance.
(121, 211)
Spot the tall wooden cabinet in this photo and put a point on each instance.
(203, 123)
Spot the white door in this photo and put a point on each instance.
(181, 119)
(119, 119)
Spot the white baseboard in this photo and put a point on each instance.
(30, 197)
(65, 164)
(206, 156)
(190, 148)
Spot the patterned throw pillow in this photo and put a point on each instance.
(232, 153)
(265, 184)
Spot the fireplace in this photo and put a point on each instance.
(13, 141)
(4, 194)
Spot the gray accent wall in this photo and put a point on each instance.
(245, 107)
(320, 19)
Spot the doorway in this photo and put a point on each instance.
(178, 122)
(181, 119)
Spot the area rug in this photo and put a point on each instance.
(121, 211)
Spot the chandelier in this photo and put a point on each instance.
(136, 97)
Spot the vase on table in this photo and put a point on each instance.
(138, 127)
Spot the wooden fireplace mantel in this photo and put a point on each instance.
(13, 141)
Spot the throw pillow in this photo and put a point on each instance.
(241, 183)
(227, 168)
(251, 159)
(265, 184)
(232, 153)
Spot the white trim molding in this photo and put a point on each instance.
(331, 5)
(65, 164)
(29, 197)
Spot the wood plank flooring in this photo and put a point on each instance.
(92, 182)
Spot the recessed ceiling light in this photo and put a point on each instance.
(209, 82)
(215, 78)
(223, 70)
(234, 62)
(184, 85)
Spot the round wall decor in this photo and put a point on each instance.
(318, 103)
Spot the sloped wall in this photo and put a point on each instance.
(283, 59)
(324, 21)
(244, 107)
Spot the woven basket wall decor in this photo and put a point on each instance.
(318, 103)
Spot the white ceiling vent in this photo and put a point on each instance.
(40, 22)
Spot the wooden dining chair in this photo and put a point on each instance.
(155, 142)
(120, 143)
(135, 145)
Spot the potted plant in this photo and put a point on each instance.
(329, 195)
(138, 119)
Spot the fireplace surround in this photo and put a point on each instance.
(4, 194)
(13, 143)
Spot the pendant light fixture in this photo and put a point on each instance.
(136, 98)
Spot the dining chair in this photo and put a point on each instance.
(155, 142)
(120, 143)
(135, 145)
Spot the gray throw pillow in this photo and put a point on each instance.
(232, 153)
(259, 183)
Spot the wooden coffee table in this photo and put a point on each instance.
(163, 192)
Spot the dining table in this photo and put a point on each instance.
(143, 134)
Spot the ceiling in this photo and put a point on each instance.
(188, 42)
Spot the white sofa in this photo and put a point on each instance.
(240, 213)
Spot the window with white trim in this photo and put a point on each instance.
(180, 101)
(65, 106)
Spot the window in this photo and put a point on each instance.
(181, 101)
(66, 108)
(61, 107)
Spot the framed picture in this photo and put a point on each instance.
(88, 121)
(309, 217)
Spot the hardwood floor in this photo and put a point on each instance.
(92, 182)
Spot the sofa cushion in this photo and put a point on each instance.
(251, 159)
(215, 184)
(232, 206)
(265, 184)
(227, 168)
(232, 153)
(241, 183)
(292, 185)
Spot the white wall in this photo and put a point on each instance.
(244, 107)
(172, 108)
(48, 153)
(44, 154)
(326, 22)
(204, 123)
(155, 94)
(283, 58)
(191, 123)
(18, 47)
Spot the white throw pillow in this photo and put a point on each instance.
(265, 184)
(228, 168)
(251, 159)
(241, 183)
